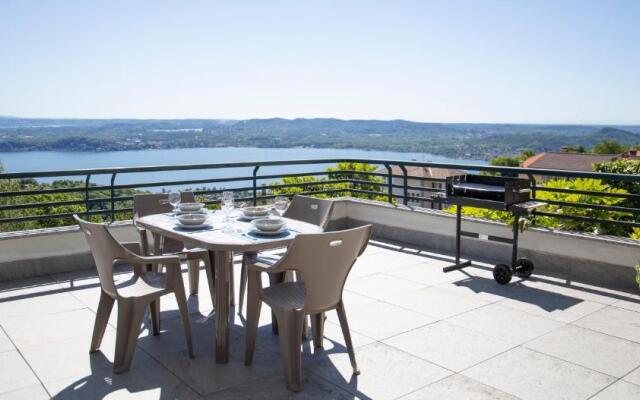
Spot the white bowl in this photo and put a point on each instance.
(190, 206)
(269, 224)
(192, 219)
(252, 212)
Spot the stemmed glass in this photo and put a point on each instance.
(227, 205)
(280, 203)
(174, 200)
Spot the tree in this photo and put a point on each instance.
(609, 147)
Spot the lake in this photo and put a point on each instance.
(56, 160)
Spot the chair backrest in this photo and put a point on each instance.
(104, 248)
(309, 209)
(157, 203)
(324, 260)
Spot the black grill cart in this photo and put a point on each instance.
(495, 193)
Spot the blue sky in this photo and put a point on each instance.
(449, 61)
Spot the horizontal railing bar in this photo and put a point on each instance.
(593, 206)
(587, 192)
(183, 167)
(61, 215)
(62, 203)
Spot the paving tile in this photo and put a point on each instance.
(385, 373)
(136, 384)
(37, 304)
(5, 343)
(614, 321)
(577, 290)
(45, 329)
(531, 375)
(70, 358)
(426, 274)
(632, 303)
(436, 302)
(380, 320)
(378, 262)
(505, 323)
(313, 387)
(16, 374)
(482, 287)
(594, 350)
(457, 387)
(18, 288)
(381, 286)
(352, 299)
(448, 345)
(557, 306)
(633, 376)
(334, 338)
(619, 390)
(34, 392)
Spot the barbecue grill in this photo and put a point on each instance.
(495, 193)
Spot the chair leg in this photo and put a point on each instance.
(243, 281)
(317, 328)
(130, 316)
(211, 278)
(254, 305)
(194, 275)
(290, 322)
(154, 313)
(275, 279)
(181, 299)
(102, 319)
(342, 316)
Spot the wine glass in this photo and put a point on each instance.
(174, 200)
(227, 204)
(280, 203)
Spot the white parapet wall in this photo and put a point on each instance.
(577, 257)
(607, 261)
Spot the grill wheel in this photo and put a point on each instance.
(502, 274)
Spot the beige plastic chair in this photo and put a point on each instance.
(323, 261)
(157, 203)
(133, 299)
(302, 208)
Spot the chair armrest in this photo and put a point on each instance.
(133, 247)
(264, 265)
(136, 259)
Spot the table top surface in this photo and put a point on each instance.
(238, 235)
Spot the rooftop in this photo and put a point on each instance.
(419, 333)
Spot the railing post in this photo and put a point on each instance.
(533, 185)
(112, 195)
(389, 183)
(255, 185)
(405, 185)
(87, 206)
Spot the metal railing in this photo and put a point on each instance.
(107, 200)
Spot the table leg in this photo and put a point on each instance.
(223, 261)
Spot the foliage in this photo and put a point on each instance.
(510, 161)
(340, 172)
(628, 167)
(609, 147)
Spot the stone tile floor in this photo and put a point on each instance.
(419, 334)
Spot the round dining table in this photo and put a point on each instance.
(222, 237)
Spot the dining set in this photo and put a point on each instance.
(305, 280)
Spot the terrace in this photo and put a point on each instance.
(571, 331)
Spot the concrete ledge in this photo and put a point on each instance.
(48, 251)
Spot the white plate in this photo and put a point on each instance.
(270, 233)
(192, 227)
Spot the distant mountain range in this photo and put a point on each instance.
(464, 140)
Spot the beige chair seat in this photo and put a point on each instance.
(288, 295)
(149, 283)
